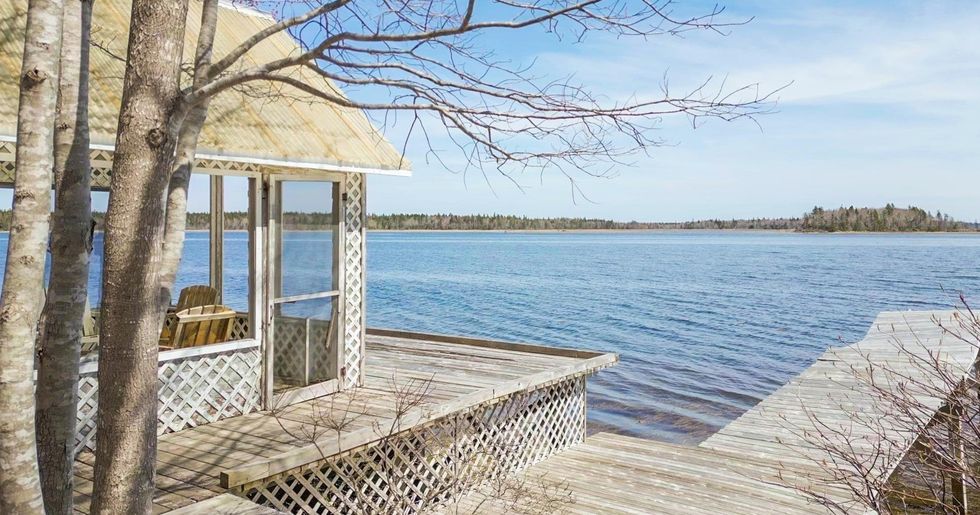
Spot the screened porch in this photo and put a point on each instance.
(286, 325)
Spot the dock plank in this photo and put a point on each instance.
(620, 474)
(841, 392)
(767, 460)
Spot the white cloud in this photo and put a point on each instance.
(883, 108)
(878, 56)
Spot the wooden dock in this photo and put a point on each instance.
(621, 474)
(839, 403)
(779, 457)
(441, 375)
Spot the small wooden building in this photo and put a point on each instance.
(304, 409)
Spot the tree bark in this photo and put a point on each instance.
(131, 312)
(23, 285)
(60, 334)
(190, 131)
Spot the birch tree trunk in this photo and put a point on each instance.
(190, 131)
(23, 285)
(60, 334)
(131, 313)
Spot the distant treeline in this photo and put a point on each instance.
(849, 219)
(238, 221)
(438, 222)
(886, 219)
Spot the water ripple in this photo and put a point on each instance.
(706, 324)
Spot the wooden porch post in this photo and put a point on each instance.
(258, 292)
(217, 234)
(339, 258)
(363, 267)
(958, 453)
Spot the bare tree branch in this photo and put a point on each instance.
(426, 57)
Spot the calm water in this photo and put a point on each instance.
(706, 324)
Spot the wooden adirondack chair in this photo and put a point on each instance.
(190, 297)
(90, 333)
(201, 325)
(197, 295)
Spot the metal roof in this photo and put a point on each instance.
(284, 129)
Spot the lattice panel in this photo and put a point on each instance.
(101, 162)
(292, 356)
(207, 388)
(422, 468)
(102, 165)
(354, 253)
(290, 349)
(219, 164)
(240, 329)
(7, 154)
(88, 404)
(322, 348)
(193, 391)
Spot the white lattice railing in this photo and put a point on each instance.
(424, 467)
(198, 385)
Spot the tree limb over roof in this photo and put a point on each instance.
(272, 125)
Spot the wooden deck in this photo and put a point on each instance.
(613, 474)
(444, 374)
(772, 459)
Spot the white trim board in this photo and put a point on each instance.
(267, 162)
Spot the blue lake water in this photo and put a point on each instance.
(706, 323)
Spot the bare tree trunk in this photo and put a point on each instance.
(60, 335)
(131, 312)
(23, 285)
(173, 246)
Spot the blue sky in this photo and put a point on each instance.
(882, 107)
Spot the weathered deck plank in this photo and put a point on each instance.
(454, 372)
(619, 474)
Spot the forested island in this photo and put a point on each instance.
(886, 219)
(849, 219)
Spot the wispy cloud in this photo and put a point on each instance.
(826, 53)
(883, 106)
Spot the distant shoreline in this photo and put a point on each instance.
(786, 231)
(558, 231)
(887, 220)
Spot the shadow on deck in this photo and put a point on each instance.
(413, 384)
